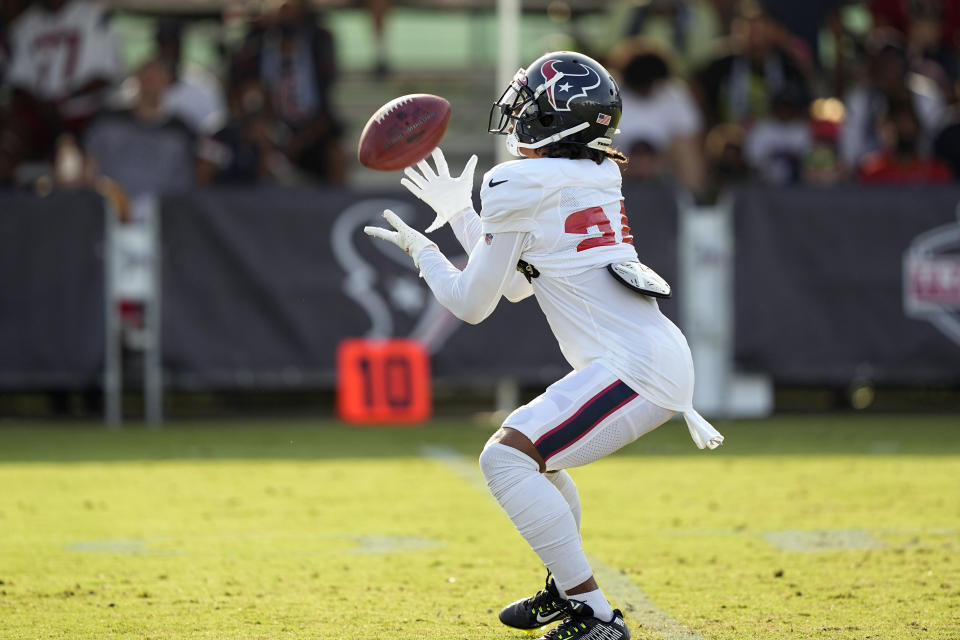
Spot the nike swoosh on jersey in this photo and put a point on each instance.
(492, 184)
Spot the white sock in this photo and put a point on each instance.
(538, 510)
(596, 601)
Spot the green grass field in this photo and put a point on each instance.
(833, 527)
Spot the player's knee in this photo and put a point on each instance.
(503, 466)
(491, 462)
(497, 457)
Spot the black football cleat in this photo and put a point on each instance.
(537, 610)
(581, 625)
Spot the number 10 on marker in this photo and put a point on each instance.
(382, 381)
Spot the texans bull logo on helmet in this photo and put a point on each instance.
(567, 81)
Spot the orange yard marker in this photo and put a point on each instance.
(383, 381)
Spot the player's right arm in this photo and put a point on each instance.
(446, 195)
(509, 201)
(466, 227)
(451, 199)
(473, 294)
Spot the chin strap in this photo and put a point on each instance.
(555, 137)
(513, 142)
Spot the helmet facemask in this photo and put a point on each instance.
(517, 103)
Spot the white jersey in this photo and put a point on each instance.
(56, 53)
(575, 224)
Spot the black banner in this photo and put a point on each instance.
(52, 293)
(820, 288)
(259, 287)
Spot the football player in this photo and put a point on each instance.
(553, 224)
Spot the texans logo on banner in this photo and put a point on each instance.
(567, 81)
(382, 280)
(931, 278)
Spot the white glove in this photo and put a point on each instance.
(447, 196)
(405, 236)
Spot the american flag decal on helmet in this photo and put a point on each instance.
(603, 118)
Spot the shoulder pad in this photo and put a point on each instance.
(501, 173)
(509, 198)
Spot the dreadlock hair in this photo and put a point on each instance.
(577, 151)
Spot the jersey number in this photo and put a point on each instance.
(579, 222)
(47, 45)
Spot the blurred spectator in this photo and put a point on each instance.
(688, 28)
(899, 162)
(822, 163)
(69, 169)
(727, 11)
(946, 146)
(931, 28)
(246, 150)
(676, 13)
(776, 147)
(661, 127)
(378, 15)
(803, 19)
(723, 149)
(888, 79)
(292, 57)
(144, 149)
(64, 55)
(738, 87)
(9, 10)
(195, 96)
(645, 161)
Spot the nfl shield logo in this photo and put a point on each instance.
(931, 278)
(603, 119)
(488, 238)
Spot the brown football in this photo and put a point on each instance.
(403, 131)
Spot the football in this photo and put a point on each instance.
(403, 132)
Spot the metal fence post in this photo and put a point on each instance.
(707, 245)
(112, 357)
(152, 360)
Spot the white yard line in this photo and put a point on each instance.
(618, 587)
(827, 540)
(364, 544)
(630, 597)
